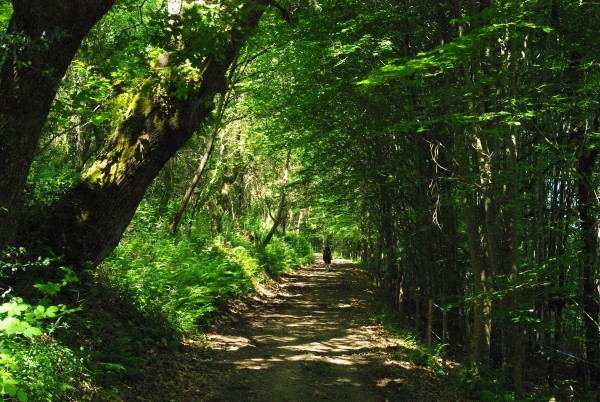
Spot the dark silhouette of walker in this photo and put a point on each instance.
(327, 257)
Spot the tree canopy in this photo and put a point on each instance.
(451, 146)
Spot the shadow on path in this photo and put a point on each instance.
(314, 340)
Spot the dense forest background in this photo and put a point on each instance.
(163, 158)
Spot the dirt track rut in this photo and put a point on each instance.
(312, 340)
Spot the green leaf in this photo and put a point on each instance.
(49, 288)
(51, 311)
(31, 332)
(98, 119)
(14, 307)
(5, 13)
(8, 388)
(12, 326)
(21, 396)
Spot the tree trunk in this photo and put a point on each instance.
(481, 332)
(509, 250)
(278, 218)
(423, 209)
(88, 222)
(589, 255)
(29, 78)
(210, 146)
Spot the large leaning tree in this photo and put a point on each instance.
(86, 223)
(41, 41)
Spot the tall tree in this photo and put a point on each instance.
(588, 204)
(87, 223)
(43, 41)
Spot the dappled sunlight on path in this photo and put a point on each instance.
(312, 340)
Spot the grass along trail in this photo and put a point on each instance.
(314, 339)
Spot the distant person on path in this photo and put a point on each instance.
(327, 257)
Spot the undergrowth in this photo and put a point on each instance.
(409, 345)
(189, 279)
(35, 365)
(282, 255)
(151, 292)
(480, 383)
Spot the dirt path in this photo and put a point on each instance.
(314, 340)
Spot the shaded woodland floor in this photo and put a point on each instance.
(312, 338)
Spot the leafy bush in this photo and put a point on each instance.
(281, 256)
(185, 278)
(302, 248)
(189, 279)
(33, 364)
(278, 257)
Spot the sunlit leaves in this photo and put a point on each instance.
(5, 13)
(27, 363)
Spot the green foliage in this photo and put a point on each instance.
(189, 279)
(410, 347)
(34, 365)
(30, 358)
(280, 257)
(487, 384)
(302, 249)
(404, 90)
(5, 14)
(49, 178)
(204, 24)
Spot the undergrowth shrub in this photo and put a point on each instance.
(190, 279)
(37, 367)
(280, 256)
(409, 346)
(302, 248)
(186, 278)
(34, 364)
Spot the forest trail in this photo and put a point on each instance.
(314, 339)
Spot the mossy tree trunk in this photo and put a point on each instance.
(43, 42)
(87, 223)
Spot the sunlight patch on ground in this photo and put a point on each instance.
(229, 342)
(340, 361)
(274, 339)
(353, 342)
(347, 381)
(399, 363)
(303, 285)
(301, 357)
(306, 323)
(310, 347)
(384, 382)
(277, 317)
(257, 363)
(264, 291)
(267, 362)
